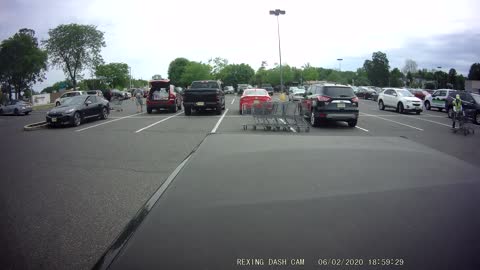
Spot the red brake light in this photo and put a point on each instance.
(323, 98)
(355, 99)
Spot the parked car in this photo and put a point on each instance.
(228, 89)
(115, 93)
(269, 88)
(77, 109)
(400, 99)
(95, 93)
(365, 92)
(439, 97)
(16, 107)
(296, 95)
(292, 89)
(67, 95)
(128, 95)
(162, 95)
(253, 97)
(204, 95)
(470, 102)
(241, 87)
(424, 96)
(331, 102)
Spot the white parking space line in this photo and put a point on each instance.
(233, 100)
(103, 123)
(438, 123)
(366, 130)
(158, 122)
(394, 121)
(292, 129)
(219, 121)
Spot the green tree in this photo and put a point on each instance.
(409, 78)
(93, 84)
(334, 76)
(309, 73)
(274, 75)
(217, 65)
(441, 78)
(67, 84)
(234, 74)
(137, 83)
(74, 47)
(115, 75)
(195, 71)
(452, 77)
(22, 62)
(460, 82)
(396, 78)
(377, 69)
(176, 70)
(261, 76)
(410, 66)
(474, 73)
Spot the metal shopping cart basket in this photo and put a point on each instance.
(464, 124)
(293, 116)
(276, 116)
(116, 103)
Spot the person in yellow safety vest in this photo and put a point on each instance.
(283, 97)
(457, 108)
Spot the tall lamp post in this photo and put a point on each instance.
(440, 68)
(130, 71)
(339, 64)
(276, 13)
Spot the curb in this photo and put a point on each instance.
(35, 126)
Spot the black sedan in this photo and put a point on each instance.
(78, 109)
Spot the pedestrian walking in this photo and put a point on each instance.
(138, 96)
(457, 109)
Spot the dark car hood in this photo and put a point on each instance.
(63, 108)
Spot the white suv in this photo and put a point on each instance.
(400, 99)
(70, 94)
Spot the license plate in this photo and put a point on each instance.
(200, 103)
(54, 119)
(256, 101)
(340, 105)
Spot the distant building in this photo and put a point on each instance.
(472, 86)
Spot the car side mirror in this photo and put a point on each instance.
(88, 102)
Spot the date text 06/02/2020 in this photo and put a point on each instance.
(269, 261)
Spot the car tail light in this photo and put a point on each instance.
(322, 115)
(171, 96)
(323, 98)
(355, 99)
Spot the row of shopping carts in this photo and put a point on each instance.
(465, 124)
(276, 116)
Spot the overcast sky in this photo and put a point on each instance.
(148, 35)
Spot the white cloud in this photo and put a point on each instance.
(149, 34)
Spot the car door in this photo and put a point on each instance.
(387, 97)
(10, 107)
(439, 99)
(90, 107)
(468, 104)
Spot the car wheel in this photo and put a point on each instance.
(57, 104)
(188, 110)
(16, 112)
(26, 113)
(449, 113)
(427, 105)
(173, 109)
(313, 120)
(477, 118)
(77, 119)
(440, 109)
(352, 123)
(381, 106)
(149, 110)
(1, 111)
(179, 107)
(218, 110)
(400, 108)
(418, 112)
(104, 114)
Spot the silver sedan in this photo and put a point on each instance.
(297, 95)
(16, 107)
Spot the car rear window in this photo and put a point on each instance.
(256, 92)
(205, 85)
(338, 91)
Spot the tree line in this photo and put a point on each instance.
(75, 48)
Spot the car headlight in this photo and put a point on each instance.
(70, 110)
(23, 108)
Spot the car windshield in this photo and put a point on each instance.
(476, 97)
(405, 93)
(339, 91)
(74, 100)
(255, 92)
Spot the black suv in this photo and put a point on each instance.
(330, 102)
(470, 102)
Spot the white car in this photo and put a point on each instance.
(439, 97)
(67, 95)
(296, 95)
(399, 99)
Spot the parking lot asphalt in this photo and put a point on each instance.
(66, 193)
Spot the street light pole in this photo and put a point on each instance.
(130, 70)
(278, 12)
(440, 68)
(339, 64)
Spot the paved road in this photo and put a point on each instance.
(66, 193)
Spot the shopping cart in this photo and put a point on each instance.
(116, 103)
(464, 124)
(276, 116)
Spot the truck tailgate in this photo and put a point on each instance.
(194, 95)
